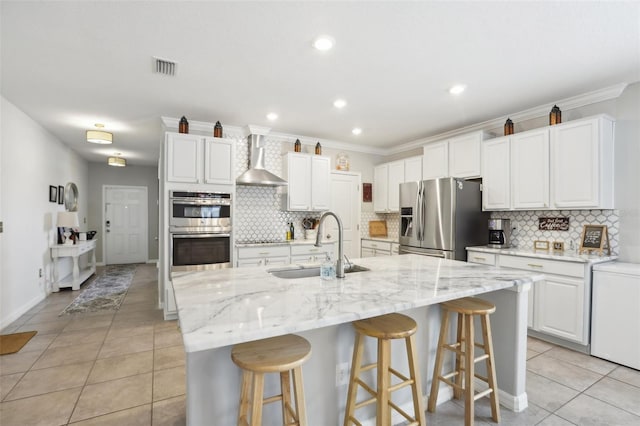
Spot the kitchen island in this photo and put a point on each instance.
(218, 309)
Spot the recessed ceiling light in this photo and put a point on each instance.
(356, 130)
(272, 116)
(457, 89)
(339, 103)
(323, 42)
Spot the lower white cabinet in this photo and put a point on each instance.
(559, 306)
(373, 248)
(276, 255)
(309, 253)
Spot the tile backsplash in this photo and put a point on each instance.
(393, 223)
(526, 226)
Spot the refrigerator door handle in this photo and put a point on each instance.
(419, 212)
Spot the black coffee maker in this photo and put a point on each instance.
(499, 233)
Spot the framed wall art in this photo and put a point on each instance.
(53, 194)
(60, 194)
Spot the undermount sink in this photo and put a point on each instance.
(311, 271)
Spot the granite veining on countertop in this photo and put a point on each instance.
(567, 256)
(227, 306)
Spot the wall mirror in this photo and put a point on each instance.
(71, 197)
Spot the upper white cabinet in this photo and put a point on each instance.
(387, 178)
(199, 159)
(308, 178)
(496, 179)
(458, 157)
(413, 169)
(582, 164)
(530, 170)
(435, 160)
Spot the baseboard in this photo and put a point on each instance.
(152, 261)
(101, 264)
(21, 311)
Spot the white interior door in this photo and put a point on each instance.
(125, 224)
(345, 202)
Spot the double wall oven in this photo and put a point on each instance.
(200, 230)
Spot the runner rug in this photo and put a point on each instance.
(106, 292)
(12, 343)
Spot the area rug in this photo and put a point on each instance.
(12, 343)
(106, 292)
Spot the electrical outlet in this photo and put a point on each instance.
(342, 374)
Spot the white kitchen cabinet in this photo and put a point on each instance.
(465, 155)
(309, 253)
(374, 248)
(582, 164)
(435, 160)
(308, 178)
(559, 307)
(395, 248)
(262, 256)
(413, 169)
(387, 178)
(530, 170)
(496, 174)
(199, 159)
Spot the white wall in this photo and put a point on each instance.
(32, 159)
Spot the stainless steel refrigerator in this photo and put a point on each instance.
(441, 217)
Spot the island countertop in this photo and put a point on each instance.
(224, 307)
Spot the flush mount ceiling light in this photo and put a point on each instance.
(356, 130)
(457, 89)
(99, 136)
(323, 42)
(272, 116)
(340, 103)
(117, 161)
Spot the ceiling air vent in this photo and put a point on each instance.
(163, 66)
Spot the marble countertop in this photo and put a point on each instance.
(283, 243)
(567, 256)
(228, 306)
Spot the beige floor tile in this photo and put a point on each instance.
(38, 382)
(546, 393)
(126, 345)
(164, 339)
(126, 330)
(532, 415)
(449, 413)
(594, 364)
(7, 383)
(168, 383)
(618, 394)
(39, 342)
(554, 420)
(137, 317)
(53, 357)
(563, 372)
(538, 345)
(43, 410)
(74, 337)
(170, 412)
(121, 366)
(173, 356)
(18, 362)
(89, 322)
(627, 375)
(50, 327)
(587, 411)
(531, 354)
(137, 416)
(115, 395)
(44, 317)
(167, 326)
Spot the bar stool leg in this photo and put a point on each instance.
(437, 371)
(285, 387)
(256, 399)
(298, 390)
(469, 355)
(459, 367)
(414, 375)
(491, 372)
(356, 362)
(243, 411)
(383, 415)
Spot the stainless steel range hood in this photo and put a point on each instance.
(257, 175)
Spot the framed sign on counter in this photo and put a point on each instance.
(594, 238)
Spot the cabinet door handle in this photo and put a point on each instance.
(266, 262)
(534, 265)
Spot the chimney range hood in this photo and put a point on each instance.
(257, 175)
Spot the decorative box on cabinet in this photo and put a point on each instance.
(199, 159)
(308, 182)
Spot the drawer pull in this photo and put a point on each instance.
(314, 249)
(479, 258)
(264, 252)
(534, 265)
(374, 245)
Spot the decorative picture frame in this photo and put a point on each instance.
(594, 238)
(60, 194)
(53, 194)
(558, 246)
(541, 245)
(367, 192)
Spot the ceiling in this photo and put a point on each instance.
(71, 64)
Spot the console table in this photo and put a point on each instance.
(74, 251)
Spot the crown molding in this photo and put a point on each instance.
(605, 94)
(328, 143)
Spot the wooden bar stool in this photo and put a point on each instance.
(464, 348)
(282, 354)
(384, 328)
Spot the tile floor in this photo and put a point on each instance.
(127, 368)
